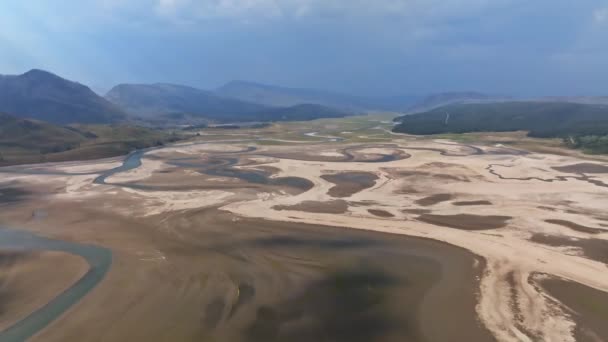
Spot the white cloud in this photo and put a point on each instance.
(601, 15)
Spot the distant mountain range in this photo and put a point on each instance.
(44, 96)
(176, 102)
(276, 96)
(41, 95)
(443, 99)
(153, 100)
(470, 97)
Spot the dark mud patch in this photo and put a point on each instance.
(349, 183)
(466, 221)
(246, 293)
(380, 213)
(581, 177)
(582, 168)
(416, 211)
(329, 207)
(12, 194)
(213, 313)
(577, 227)
(329, 243)
(594, 249)
(587, 306)
(434, 199)
(364, 203)
(468, 203)
(346, 305)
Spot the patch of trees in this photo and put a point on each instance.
(595, 144)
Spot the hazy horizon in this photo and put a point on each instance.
(384, 47)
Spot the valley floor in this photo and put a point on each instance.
(307, 237)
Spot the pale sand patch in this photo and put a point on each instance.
(158, 202)
(376, 150)
(147, 168)
(100, 166)
(331, 154)
(198, 149)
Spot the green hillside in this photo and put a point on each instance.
(580, 125)
(25, 141)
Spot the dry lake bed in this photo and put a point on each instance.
(326, 239)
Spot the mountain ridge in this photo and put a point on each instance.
(42, 95)
(279, 96)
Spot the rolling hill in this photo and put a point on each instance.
(599, 100)
(276, 96)
(29, 134)
(540, 119)
(161, 99)
(24, 141)
(44, 96)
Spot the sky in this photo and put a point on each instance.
(367, 47)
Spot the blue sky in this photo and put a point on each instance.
(514, 47)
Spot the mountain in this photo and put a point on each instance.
(443, 99)
(41, 95)
(269, 95)
(540, 119)
(161, 99)
(301, 112)
(177, 103)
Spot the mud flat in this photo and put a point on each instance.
(255, 257)
(85, 266)
(209, 275)
(595, 249)
(29, 280)
(582, 168)
(587, 306)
